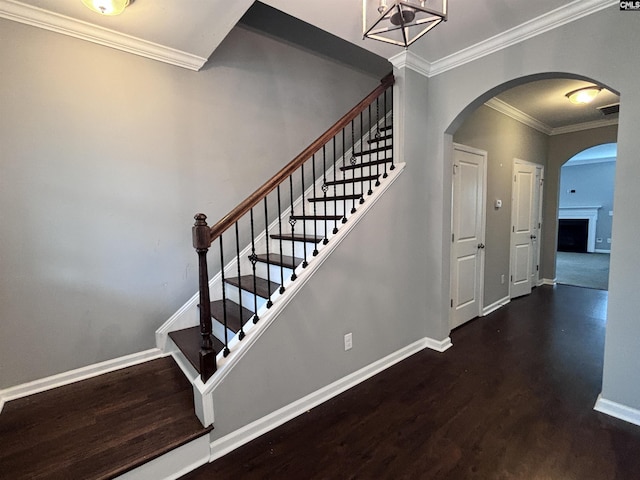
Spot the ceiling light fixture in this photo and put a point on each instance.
(584, 95)
(107, 7)
(401, 22)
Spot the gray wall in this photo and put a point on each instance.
(105, 158)
(503, 139)
(611, 59)
(593, 185)
(561, 149)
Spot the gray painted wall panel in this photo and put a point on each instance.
(106, 157)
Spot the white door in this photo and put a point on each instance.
(468, 214)
(525, 227)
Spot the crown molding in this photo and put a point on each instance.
(548, 21)
(38, 17)
(518, 115)
(408, 59)
(578, 127)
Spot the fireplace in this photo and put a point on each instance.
(571, 224)
(573, 234)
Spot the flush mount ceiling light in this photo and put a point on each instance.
(401, 22)
(107, 7)
(584, 95)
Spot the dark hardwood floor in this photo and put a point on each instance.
(98, 428)
(513, 399)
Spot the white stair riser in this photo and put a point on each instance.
(274, 272)
(234, 293)
(218, 330)
(293, 249)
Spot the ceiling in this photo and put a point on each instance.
(187, 32)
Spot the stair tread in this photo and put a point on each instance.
(372, 150)
(297, 238)
(106, 426)
(263, 288)
(352, 180)
(280, 260)
(234, 319)
(188, 341)
(316, 217)
(331, 198)
(366, 164)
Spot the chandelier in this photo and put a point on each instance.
(401, 22)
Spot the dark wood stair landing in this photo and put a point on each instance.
(101, 427)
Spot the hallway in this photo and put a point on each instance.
(513, 399)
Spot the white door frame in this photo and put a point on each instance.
(483, 221)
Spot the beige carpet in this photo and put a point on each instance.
(583, 269)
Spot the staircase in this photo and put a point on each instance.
(287, 227)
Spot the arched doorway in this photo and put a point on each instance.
(585, 214)
(502, 123)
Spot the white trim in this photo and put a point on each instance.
(589, 161)
(496, 305)
(174, 464)
(410, 60)
(544, 23)
(601, 250)
(578, 127)
(72, 376)
(438, 345)
(548, 281)
(54, 22)
(233, 440)
(518, 115)
(618, 410)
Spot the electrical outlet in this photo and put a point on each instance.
(348, 341)
(502, 279)
(598, 240)
(608, 240)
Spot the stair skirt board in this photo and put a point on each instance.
(188, 315)
(78, 374)
(202, 391)
(233, 440)
(174, 464)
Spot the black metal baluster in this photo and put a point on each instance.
(268, 239)
(325, 187)
(392, 132)
(361, 158)
(315, 223)
(377, 137)
(224, 303)
(353, 162)
(292, 222)
(304, 224)
(335, 200)
(335, 185)
(370, 191)
(385, 174)
(241, 335)
(282, 289)
(253, 258)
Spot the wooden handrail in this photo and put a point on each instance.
(252, 200)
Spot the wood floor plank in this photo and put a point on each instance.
(101, 427)
(513, 399)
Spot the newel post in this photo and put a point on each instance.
(201, 242)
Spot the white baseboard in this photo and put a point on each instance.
(174, 464)
(495, 305)
(602, 250)
(233, 440)
(617, 410)
(72, 376)
(438, 345)
(548, 281)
